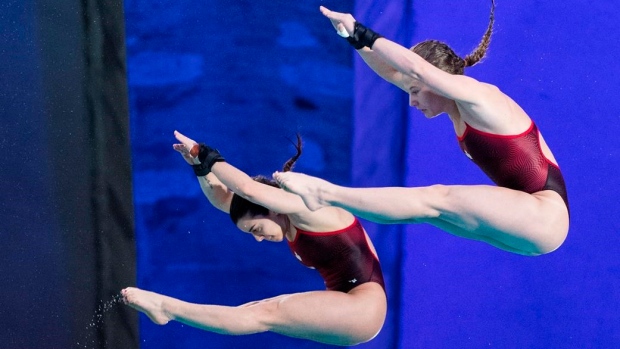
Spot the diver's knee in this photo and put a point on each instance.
(550, 243)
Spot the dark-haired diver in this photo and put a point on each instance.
(350, 311)
(526, 213)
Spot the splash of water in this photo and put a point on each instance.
(91, 341)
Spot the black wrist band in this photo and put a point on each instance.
(208, 157)
(363, 36)
(355, 43)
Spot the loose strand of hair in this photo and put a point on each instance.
(480, 51)
(290, 163)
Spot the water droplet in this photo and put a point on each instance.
(97, 320)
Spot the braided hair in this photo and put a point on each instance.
(240, 206)
(443, 57)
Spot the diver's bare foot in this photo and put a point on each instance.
(149, 303)
(310, 189)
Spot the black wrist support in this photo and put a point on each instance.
(356, 44)
(208, 157)
(362, 36)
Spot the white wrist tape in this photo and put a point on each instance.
(342, 32)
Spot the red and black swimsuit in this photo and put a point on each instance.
(343, 257)
(514, 161)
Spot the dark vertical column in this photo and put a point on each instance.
(379, 148)
(86, 100)
(107, 105)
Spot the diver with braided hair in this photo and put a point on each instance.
(352, 308)
(526, 213)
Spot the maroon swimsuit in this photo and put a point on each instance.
(343, 257)
(514, 161)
